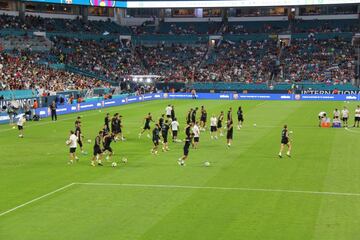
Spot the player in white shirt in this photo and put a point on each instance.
(345, 116)
(72, 143)
(321, 115)
(213, 127)
(196, 132)
(336, 114)
(168, 111)
(174, 129)
(357, 116)
(20, 125)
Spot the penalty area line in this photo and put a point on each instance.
(36, 199)
(222, 188)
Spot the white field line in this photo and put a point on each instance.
(185, 187)
(349, 130)
(221, 188)
(36, 199)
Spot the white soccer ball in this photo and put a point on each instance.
(114, 164)
(207, 164)
(291, 132)
(89, 140)
(124, 160)
(254, 124)
(13, 127)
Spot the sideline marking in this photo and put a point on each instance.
(36, 199)
(183, 187)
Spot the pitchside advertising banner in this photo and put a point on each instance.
(74, 108)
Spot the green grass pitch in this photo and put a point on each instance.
(246, 193)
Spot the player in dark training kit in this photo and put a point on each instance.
(155, 138)
(164, 133)
(188, 117)
(146, 127)
(188, 142)
(285, 141)
(108, 138)
(193, 115)
(115, 125)
(240, 117)
(203, 119)
(97, 150)
(229, 134)
(78, 120)
(79, 136)
(107, 121)
(172, 112)
(219, 123)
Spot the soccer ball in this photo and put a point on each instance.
(13, 127)
(114, 164)
(124, 160)
(207, 164)
(254, 124)
(291, 132)
(89, 140)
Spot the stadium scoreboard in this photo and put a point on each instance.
(194, 4)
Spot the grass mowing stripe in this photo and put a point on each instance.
(221, 188)
(36, 199)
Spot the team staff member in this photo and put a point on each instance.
(357, 116)
(164, 133)
(53, 111)
(285, 141)
(20, 125)
(229, 134)
(72, 143)
(155, 138)
(345, 116)
(146, 127)
(240, 117)
(97, 150)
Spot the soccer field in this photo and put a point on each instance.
(247, 192)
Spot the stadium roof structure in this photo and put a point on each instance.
(194, 4)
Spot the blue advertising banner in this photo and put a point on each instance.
(85, 106)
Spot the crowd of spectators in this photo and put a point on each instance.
(330, 61)
(109, 59)
(20, 70)
(245, 61)
(36, 23)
